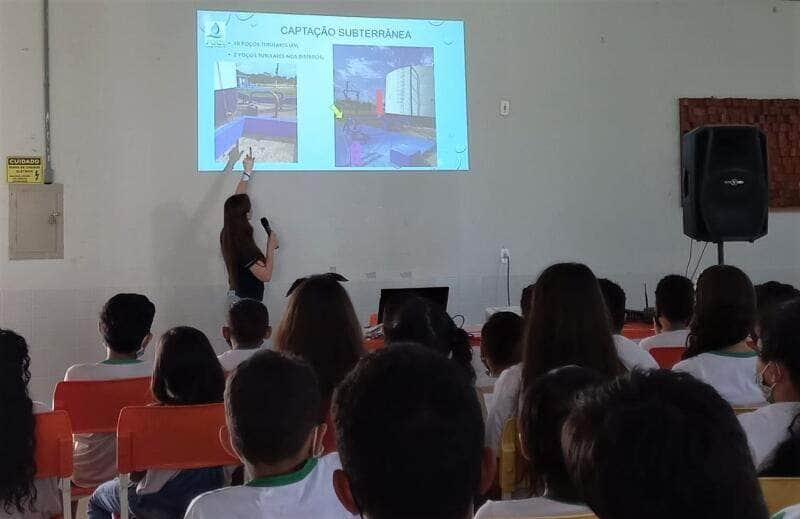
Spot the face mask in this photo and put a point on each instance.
(767, 390)
(321, 449)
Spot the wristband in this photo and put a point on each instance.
(245, 176)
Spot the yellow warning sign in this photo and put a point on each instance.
(24, 170)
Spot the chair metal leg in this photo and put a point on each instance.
(124, 482)
(66, 497)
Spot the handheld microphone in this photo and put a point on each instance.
(265, 225)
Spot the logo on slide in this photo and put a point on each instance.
(214, 34)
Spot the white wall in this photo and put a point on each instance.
(585, 167)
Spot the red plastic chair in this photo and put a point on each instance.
(668, 356)
(54, 453)
(168, 437)
(638, 331)
(94, 406)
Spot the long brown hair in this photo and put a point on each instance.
(568, 325)
(236, 239)
(724, 310)
(320, 326)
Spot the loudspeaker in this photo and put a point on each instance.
(724, 191)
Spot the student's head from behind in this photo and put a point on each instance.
(568, 324)
(247, 324)
(615, 299)
(271, 404)
(187, 371)
(674, 302)
(543, 410)
(769, 296)
(501, 341)
(779, 353)
(661, 445)
(424, 322)
(410, 437)
(17, 491)
(320, 326)
(724, 312)
(526, 300)
(125, 323)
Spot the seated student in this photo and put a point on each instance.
(674, 308)
(769, 296)
(526, 300)
(247, 329)
(21, 495)
(774, 430)
(320, 326)
(433, 465)
(186, 372)
(661, 445)
(271, 407)
(568, 325)
(716, 348)
(125, 322)
(544, 408)
(793, 512)
(501, 342)
(424, 322)
(631, 355)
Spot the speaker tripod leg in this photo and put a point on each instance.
(720, 253)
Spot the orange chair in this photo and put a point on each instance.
(667, 356)
(54, 453)
(94, 406)
(638, 331)
(780, 493)
(168, 437)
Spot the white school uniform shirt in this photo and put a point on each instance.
(665, 339)
(95, 454)
(767, 428)
(732, 374)
(632, 355)
(504, 405)
(530, 507)
(231, 359)
(793, 512)
(303, 494)
(48, 495)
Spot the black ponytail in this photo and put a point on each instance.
(423, 322)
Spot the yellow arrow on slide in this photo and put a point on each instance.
(336, 111)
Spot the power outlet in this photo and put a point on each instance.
(504, 255)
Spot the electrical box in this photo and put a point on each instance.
(35, 221)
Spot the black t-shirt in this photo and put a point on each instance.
(247, 285)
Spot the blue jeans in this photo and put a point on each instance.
(170, 502)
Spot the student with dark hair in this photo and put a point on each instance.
(716, 348)
(526, 300)
(321, 327)
(631, 355)
(568, 325)
(543, 411)
(186, 372)
(501, 342)
(246, 330)
(424, 322)
(434, 464)
(661, 445)
(125, 323)
(674, 309)
(769, 296)
(774, 430)
(271, 404)
(21, 495)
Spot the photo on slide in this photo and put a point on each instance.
(255, 107)
(384, 106)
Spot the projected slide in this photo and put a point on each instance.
(326, 93)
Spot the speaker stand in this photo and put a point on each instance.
(720, 253)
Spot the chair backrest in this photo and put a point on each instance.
(511, 468)
(94, 405)
(743, 410)
(780, 493)
(637, 331)
(53, 445)
(667, 356)
(171, 437)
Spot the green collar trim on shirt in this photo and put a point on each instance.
(285, 479)
(735, 354)
(121, 361)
